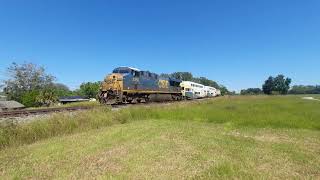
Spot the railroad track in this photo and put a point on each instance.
(29, 112)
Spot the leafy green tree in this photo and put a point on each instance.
(164, 75)
(187, 76)
(184, 76)
(24, 79)
(277, 85)
(89, 89)
(61, 90)
(301, 89)
(282, 84)
(268, 85)
(46, 97)
(251, 91)
(206, 82)
(224, 90)
(29, 98)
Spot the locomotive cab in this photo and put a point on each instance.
(112, 87)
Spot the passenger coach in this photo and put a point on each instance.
(211, 91)
(192, 90)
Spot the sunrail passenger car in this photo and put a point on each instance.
(192, 90)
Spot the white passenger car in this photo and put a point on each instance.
(211, 91)
(192, 90)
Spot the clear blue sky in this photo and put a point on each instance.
(237, 43)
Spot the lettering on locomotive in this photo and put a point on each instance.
(163, 84)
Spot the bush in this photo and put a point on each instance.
(29, 99)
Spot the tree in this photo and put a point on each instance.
(184, 76)
(46, 97)
(281, 84)
(277, 85)
(187, 76)
(29, 98)
(206, 82)
(164, 75)
(90, 89)
(224, 90)
(26, 79)
(268, 85)
(61, 90)
(251, 91)
(301, 89)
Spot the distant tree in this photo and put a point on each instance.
(268, 85)
(282, 84)
(164, 75)
(187, 76)
(206, 82)
(26, 79)
(184, 76)
(277, 85)
(233, 93)
(251, 91)
(61, 90)
(301, 89)
(224, 90)
(89, 89)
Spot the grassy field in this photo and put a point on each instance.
(242, 137)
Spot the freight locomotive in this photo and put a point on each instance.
(126, 85)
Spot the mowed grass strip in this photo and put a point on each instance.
(229, 137)
(168, 149)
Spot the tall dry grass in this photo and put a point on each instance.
(237, 112)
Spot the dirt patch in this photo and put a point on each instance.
(311, 98)
(265, 137)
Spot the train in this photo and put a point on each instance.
(131, 85)
(192, 90)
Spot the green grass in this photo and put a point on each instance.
(230, 137)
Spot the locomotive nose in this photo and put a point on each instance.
(113, 82)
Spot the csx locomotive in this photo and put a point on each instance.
(126, 85)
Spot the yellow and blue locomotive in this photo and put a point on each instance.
(126, 85)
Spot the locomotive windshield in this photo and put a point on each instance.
(122, 71)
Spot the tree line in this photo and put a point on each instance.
(281, 85)
(272, 86)
(188, 76)
(32, 86)
(301, 89)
